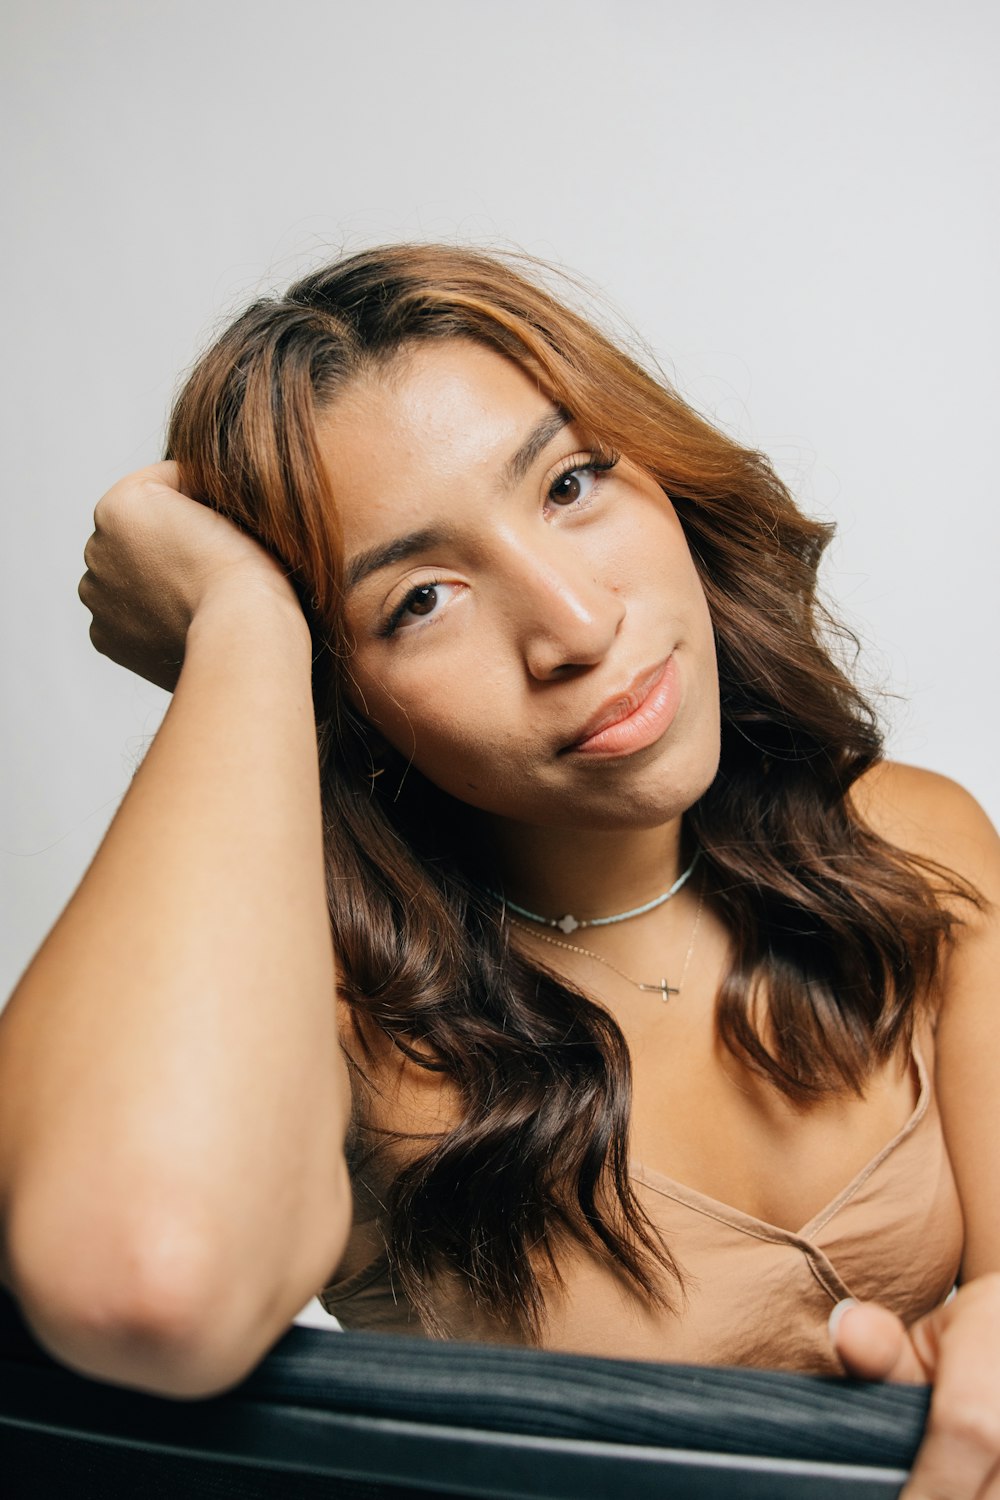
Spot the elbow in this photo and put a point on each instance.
(139, 1314)
(160, 1301)
(153, 1314)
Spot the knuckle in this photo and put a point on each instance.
(111, 507)
(124, 493)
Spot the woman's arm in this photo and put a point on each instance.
(956, 1347)
(173, 1100)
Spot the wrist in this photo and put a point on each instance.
(254, 612)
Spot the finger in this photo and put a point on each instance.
(955, 1464)
(873, 1344)
(960, 1454)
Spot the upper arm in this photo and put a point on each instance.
(968, 1050)
(930, 815)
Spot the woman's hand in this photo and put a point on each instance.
(955, 1348)
(154, 558)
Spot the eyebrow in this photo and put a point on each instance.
(387, 553)
(513, 471)
(538, 438)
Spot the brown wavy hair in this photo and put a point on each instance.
(842, 931)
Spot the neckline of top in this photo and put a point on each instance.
(737, 1217)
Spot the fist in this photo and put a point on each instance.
(153, 560)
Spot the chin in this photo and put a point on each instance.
(652, 808)
(662, 789)
(651, 794)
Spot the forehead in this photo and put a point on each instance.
(440, 420)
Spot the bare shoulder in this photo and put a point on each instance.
(936, 819)
(933, 817)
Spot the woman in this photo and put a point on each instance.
(505, 714)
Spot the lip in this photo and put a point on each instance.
(635, 717)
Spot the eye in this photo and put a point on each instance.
(573, 486)
(579, 482)
(420, 603)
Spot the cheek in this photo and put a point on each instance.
(450, 745)
(439, 719)
(648, 543)
(452, 734)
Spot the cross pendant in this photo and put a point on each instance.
(663, 988)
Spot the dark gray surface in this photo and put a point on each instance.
(371, 1414)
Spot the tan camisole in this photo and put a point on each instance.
(754, 1294)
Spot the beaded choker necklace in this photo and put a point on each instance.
(569, 923)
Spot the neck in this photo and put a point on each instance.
(589, 872)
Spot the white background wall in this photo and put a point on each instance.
(795, 202)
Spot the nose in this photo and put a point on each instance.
(567, 618)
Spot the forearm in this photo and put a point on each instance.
(172, 1096)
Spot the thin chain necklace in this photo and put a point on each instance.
(569, 923)
(664, 989)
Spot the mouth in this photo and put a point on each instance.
(633, 718)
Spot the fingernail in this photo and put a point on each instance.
(838, 1312)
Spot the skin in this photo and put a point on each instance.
(550, 596)
(141, 1075)
(546, 605)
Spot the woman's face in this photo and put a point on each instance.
(507, 597)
